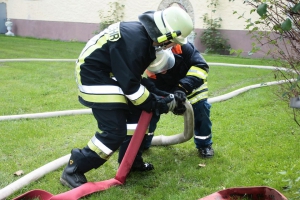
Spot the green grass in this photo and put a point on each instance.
(20, 47)
(255, 137)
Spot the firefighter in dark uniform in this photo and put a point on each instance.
(164, 60)
(188, 78)
(108, 74)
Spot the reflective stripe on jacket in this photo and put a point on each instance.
(190, 68)
(109, 68)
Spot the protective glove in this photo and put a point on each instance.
(180, 96)
(161, 104)
(172, 105)
(179, 109)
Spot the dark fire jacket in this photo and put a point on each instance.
(189, 74)
(109, 68)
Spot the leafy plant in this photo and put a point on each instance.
(211, 36)
(112, 15)
(276, 32)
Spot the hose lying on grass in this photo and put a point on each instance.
(88, 111)
(188, 131)
(42, 171)
(91, 187)
(157, 140)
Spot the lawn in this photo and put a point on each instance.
(255, 139)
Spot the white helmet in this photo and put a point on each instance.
(170, 20)
(164, 61)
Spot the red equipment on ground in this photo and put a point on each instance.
(253, 193)
(90, 187)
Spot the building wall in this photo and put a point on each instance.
(78, 20)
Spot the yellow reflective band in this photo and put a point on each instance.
(101, 41)
(131, 128)
(137, 94)
(94, 148)
(131, 132)
(77, 72)
(195, 99)
(202, 87)
(196, 71)
(112, 98)
(142, 98)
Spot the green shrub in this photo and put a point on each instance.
(211, 37)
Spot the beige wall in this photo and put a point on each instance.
(87, 11)
(79, 19)
(72, 10)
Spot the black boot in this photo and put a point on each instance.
(142, 166)
(206, 152)
(138, 164)
(73, 174)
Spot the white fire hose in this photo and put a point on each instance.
(157, 140)
(189, 116)
(88, 111)
(187, 134)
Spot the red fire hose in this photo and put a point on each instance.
(90, 187)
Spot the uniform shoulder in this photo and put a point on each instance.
(134, 28)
